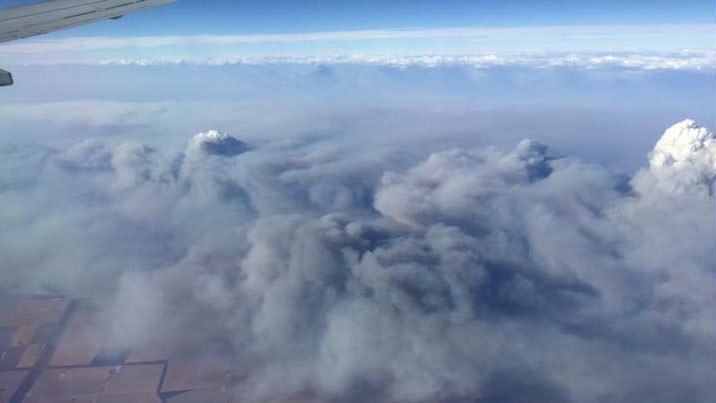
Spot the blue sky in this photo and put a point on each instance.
(628, 61)
(225, 31)
(652, 59)
(655, 58)
(254, 16)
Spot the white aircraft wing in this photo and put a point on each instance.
(23, 21)
(48, 16)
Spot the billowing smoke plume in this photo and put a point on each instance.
(509, 276)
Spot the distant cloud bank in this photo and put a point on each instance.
(672, 61)
(687, 61)
(630, 46)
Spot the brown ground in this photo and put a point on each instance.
(50, 352)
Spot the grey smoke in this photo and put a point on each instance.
(508, 276)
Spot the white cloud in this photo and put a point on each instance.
(685, 144)
(687, 60)
(75, 44)
(684, 158)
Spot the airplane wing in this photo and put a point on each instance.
(48, 16)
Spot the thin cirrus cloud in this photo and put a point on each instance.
(456, 40)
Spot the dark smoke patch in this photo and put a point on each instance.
(521, 386)
(216, 143)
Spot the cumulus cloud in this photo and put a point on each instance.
(684, 157)
(516, 275)
(214, 142)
